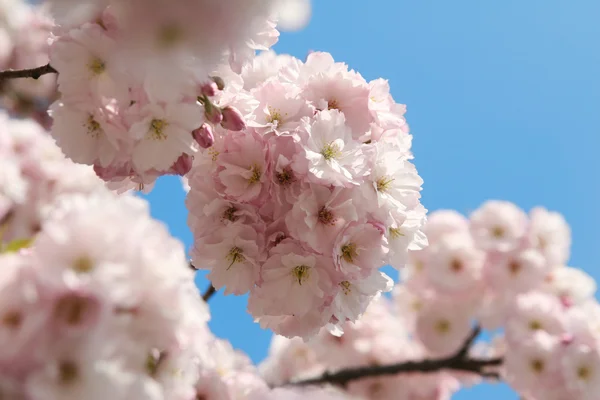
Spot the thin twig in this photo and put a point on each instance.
(209, 292)
(34, 73)
(460, 361)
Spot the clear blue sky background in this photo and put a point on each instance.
(503, 100)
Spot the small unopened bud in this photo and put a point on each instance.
(213, 113)
(209, 89)
(232, 119)
(183, 165)
(204, 136)
(219, 82)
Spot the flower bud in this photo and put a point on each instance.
(232, 119)
(183, 165)
(209, 89)
(213, 113)
(204, 136)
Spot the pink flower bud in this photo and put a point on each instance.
(213, 113)
(204, 136)
(183, 165)
(232, 119)
(209, 89)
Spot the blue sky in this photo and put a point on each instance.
(503, 100)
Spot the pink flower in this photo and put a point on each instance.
(243, 168)
(519, 271)
(293, 281)
(550, 233)
(84, 60)
(163, 133)
(498, 226)
(333, 156)
(455, 264)
(534, 312)
(232, 254)
(359, 249)
(533, 365)
(442, 327)
(281, 107)
(355, 295)
(319, 215)
(581, 368)
(344, 91)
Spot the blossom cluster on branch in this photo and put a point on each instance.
(500, 267)
(135, 79)
(300, 186)
(24, 33)
(317, 192)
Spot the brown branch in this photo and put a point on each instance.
(34, 73)
(460, 361)
(209, 292)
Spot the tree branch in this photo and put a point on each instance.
(209, 292)
(460, 361)
(34, 73)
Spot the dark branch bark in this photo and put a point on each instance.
(209, 292)
(457, 362)
(34, 73)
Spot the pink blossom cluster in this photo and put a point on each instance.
(508, 270)
(94, 311)
(33, 175)
(24, 32)
(500, 268)
(136, 79)
(304, 204)
(380, 337)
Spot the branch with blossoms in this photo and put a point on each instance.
(460, 361)
(34, 73)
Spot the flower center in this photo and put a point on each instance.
(82, 265)
(349, 252)
(170, 35)
(301, 273)
(97, 66)
(395, 233)
(384, 183)
(514, 267)
(93, 126)
(331, 151)
(497, 232)
(535, 325)
(442, 326)
(256, 174)
(12, 319)
(345, 285)
(67, 372)
(229, 214)
(235, 255)
(157, 128)
(537, 365)
(274, 116)
(456, 265)
(333, 105)
(583, 373)
(285, 177)
(326, 217)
